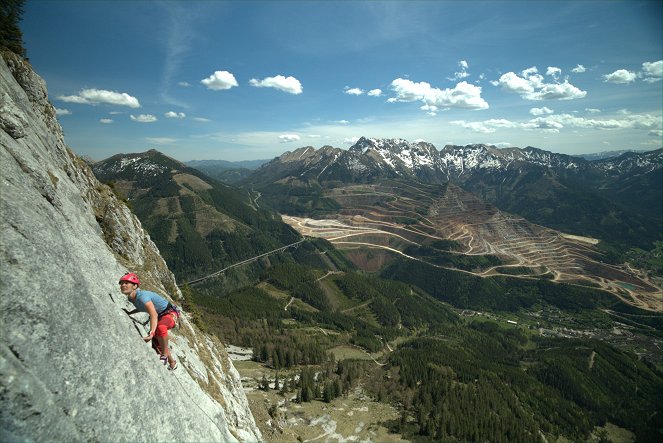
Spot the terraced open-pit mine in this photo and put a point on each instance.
(379, 220)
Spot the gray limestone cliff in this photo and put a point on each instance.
(73, 365)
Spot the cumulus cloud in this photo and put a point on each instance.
(620, 76)
(430, 109)
(555, 122)
(531, 85)
(646, 122)
(172, 114)
(464, 95)
(487, 126)
(353, 91)
(543, 124)
(143, 118)
(106, 121)
(99, 96)
(462, 73)
(553, 72)
(287, 138)
(286, 84)
(375, 92)
(652, 71)
(220, 81)
(541, 111)
(59, 111)
(579, 69)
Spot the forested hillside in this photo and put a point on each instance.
(199, 224)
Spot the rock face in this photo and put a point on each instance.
(73, 366)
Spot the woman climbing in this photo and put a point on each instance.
(163, 315)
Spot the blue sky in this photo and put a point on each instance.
(240, 80)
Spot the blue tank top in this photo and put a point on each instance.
(142, 297)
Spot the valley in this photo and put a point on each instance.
(409, 219)
(385, 307)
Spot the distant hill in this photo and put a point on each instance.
(198, 223)
(607, 154)
(226, 171)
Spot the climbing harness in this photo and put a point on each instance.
(174, 311)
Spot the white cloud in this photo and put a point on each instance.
(202, 119)
(579, 69)
(314, 136)
(543, 124)
(487, 126)
(172, 114)
(554, 123)
(620, 76)
(184, 84)
(341, 122)
(220, 81)
(541, 111)
(530, 72)
(462, 73)
(554, 72)
(592, 110)
(558, 91)
(353, 91)
(646, 122)
(464, 95)
(59, 111)
(653, 71)
(287, 138)
(530, 85)
(98, 96)
(430, 109)
(375, 92)
(143, 118)
(160, 140)
(286, 84)
(106, 121)
(350, 140)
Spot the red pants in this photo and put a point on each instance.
(165, 322)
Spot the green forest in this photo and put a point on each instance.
(454, 378)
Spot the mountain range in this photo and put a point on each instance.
(618, 198)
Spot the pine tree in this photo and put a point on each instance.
(276, 381)
(11, 36)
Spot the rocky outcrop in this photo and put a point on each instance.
(73, 365)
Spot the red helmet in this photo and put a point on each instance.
(131, 278)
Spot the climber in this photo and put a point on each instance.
(163, 315)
